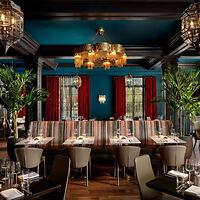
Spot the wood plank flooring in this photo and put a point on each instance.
(102, 186)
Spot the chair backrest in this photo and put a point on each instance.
(60, 174)
(28, 157)
(173, 155)
(197, 128)
(189, 146)
(144, 173)
(125, 155)
(79, 156)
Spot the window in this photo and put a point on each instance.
(134, 99)
(68, 99)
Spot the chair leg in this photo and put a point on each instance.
(124, 170)
(195, 143)
(90, 167)
(117, 175)
(87, 175)
(81, 172)
(44, 162)
(115, 168)
(38, 169)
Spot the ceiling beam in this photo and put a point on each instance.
(56, 51)
(175, 46)
(47, 63)
(26, 45)
(102, 9)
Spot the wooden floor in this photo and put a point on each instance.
(102, 185)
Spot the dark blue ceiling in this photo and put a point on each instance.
(126, 32)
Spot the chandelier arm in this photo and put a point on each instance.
(94, 38)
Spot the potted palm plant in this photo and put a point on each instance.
(11, 94)
(180, 87)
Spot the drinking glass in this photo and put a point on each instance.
(5, 166)
(129, 132)
(29, 135)
(75, 133)
(189, 167)
(25, 179)
(197, 168)
(16, 172)
(180, 180)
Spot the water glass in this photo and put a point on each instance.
(16, 172)
(189, 167)
(25, 179)
(129, 132)
(5, 166)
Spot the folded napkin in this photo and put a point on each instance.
(77, 141)
(32, 175)
(177, 173)
(11, 193)
(193, 190)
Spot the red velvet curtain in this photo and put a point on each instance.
(84, 98)
(150, 97)
(22, 112)
(52, 102)
(120, 97)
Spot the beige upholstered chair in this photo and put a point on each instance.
(80, 157)
(30, 158)
(197, 131)
(189, 146)
(172, 155)
(144, 173)
(125, 157)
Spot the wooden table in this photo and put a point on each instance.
(162, 139)
(79, 141)
(124, 140)
(44, 141)
(167, 185)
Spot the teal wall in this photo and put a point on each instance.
(101, 82)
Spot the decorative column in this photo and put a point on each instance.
(31, 63)
(168, 113)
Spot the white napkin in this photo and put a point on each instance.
(193, 190)
(78, 142)
(177, 173)
(33, 142)
(11, 193)
(32, 175)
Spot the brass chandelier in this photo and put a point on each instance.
(101, 54)
(11, 23)
(190, 25)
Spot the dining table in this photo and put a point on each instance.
(35, 141)
(38, 188)
(167, 139)
(168, 185)
(122, 140)
(80, 140)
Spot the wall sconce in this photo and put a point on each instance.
(102, 99)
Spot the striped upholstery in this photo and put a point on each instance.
(102, 130)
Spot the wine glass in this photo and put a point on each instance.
(5, 166)
(25, 179)
(75, 133)
(129, 132)
(189, 167)
(16, 172)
